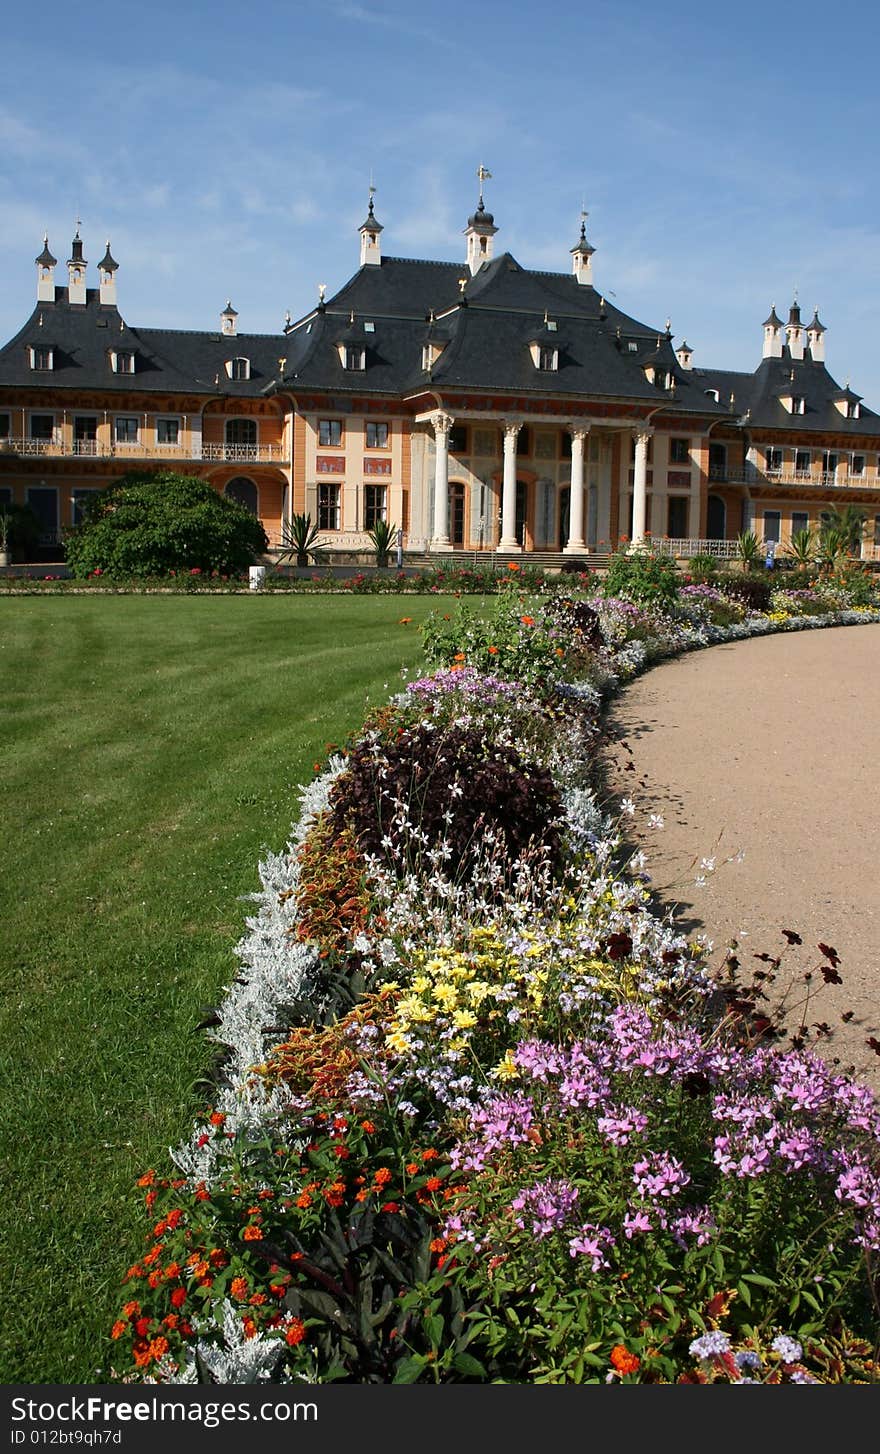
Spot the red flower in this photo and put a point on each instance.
(295, 1332)
(178, 1297)
(623, 1360)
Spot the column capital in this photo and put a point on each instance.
(642, 431)
(441, 422)
(579, 431)
(511, 428)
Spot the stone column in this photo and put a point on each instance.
(576, 544)
(440, 535)
(640, 486)
(508, 539)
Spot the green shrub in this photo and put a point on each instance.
(149, 523)
(651, 580)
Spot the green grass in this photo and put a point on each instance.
(151, 750)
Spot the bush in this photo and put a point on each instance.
(753, 591)
(447, 792)
(149, 523)
(651, 580)
(23, 531)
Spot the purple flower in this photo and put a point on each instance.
(789, 1349)
(710, 1345)
(592, 1242)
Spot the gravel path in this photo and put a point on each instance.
(761, 757)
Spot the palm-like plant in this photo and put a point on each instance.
(301, 538)
(748, 548)
(802, 548)
(847, 524)
(382, 538)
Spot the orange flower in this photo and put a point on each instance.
(252, 1234)
(155, 1278)
(173, 1269)
(258, 1300)
(430, 1154)
(119, 1327)
(238, 1287)
(303, 1200)
(404, 620)
(368, 1127)
(296, 1332)
(412, 1168)
(623, 1360)
(382, 1176)
(493, 650)
(178, 1297)
(512, 565)
(217, 1118)
(527, 620)
(131, 1310)
(250, 1328)
(433, 1183)
(559, 651)
(438, 1244)
(147, 1179)
(459, 656)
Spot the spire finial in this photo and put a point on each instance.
(584, 215)
(372, 192)
(483, 175)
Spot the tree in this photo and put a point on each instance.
(845, 527)
(152, 522)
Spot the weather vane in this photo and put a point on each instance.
(483, 175)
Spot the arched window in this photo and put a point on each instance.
(244, 491)
(241, 431)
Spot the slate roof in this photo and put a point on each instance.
(166, 360)
(490, 324)
(759, 394)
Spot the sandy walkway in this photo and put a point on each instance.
(762, 755)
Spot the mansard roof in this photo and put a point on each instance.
(760, 394)
(169, 360)
(490, 319)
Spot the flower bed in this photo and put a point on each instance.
(483, 1116)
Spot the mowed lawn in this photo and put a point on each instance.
(151, 752)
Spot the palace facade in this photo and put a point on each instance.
(475, 405)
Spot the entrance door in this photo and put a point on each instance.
(244, 491)
(716, 518)
(85, 434)
(522, 505)
(456, 513)
(43, 501)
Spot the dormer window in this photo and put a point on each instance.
(632, 347)
(354, 356)
(122, 361)
(548, 359)
(42, 359)
(238, 369)
(852, 410)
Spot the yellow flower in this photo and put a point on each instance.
(505, 1069)
(464, 1020)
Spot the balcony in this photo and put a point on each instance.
(787, 475)
(57, 448)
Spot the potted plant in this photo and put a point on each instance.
(5, 527)
(382, 537)
(748, 548)
(301, 539)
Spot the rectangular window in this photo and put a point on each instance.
(330, 431)
(354, 356)
(772, 522)
(377, 435)
(802, 461)
(5, 496)
(4, 426)
(458, 439)
(547, 360)
(124, 363)
(375, 502)
(774, 459)
(41, 358)
(43, 500)
(42, 426)
(79, 497)
(167, 431)
(125, 429)
(328, 507)
(679, 452)
(829, 462)
(857, 466)
(678, 517)
(800, 520)
(524, 442)
(239, 369)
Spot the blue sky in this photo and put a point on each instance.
(726, 154)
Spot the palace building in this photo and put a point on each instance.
(476, 405)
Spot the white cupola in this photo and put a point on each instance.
(816, 338)
(107, 270)
(46, 265)
(772, 335)
(227, 320)
(582, 255)
(685, 354)
(76, 272)
(795, 332)
(480, 230)
(371, 248)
